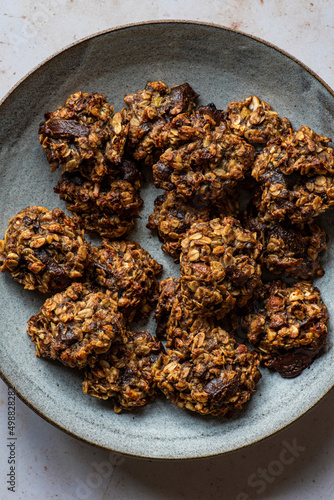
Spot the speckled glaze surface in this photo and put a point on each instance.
(221, 65)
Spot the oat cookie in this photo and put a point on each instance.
(289, 249)
(84, 135)
(219, 266)
(173, 216)
(125, 373)
(296, 177)
(43, 250)
(179, 322)
(217, 377)
(288, 326)
(107, 207)
(76, 325)
(148, 112)
(209, 166)
(126, 268)
(254, 120)
(189, 126)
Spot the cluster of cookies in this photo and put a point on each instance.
(201, 157)
(231, 259)
(94, 293)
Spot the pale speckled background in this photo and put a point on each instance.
(51, 464)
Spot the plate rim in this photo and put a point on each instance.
(160, 22)
(115, 30)
(167, 458)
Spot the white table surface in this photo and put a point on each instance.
(51, 464)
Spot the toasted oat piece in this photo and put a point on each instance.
(148, 112)
(107, 207)
(125, 373)
(289, 249)
(126, 268)
(256, 121)
(288, 327)
(209, 166)
(43, 250)
(296, 177)
(76, 325)
(219, 266)
(84, 135)
(216, 377)
(173, 216)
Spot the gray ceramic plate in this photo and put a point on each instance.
(222, 66)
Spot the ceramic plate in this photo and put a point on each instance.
(222, 66)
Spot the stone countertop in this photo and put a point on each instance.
(52, 464)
